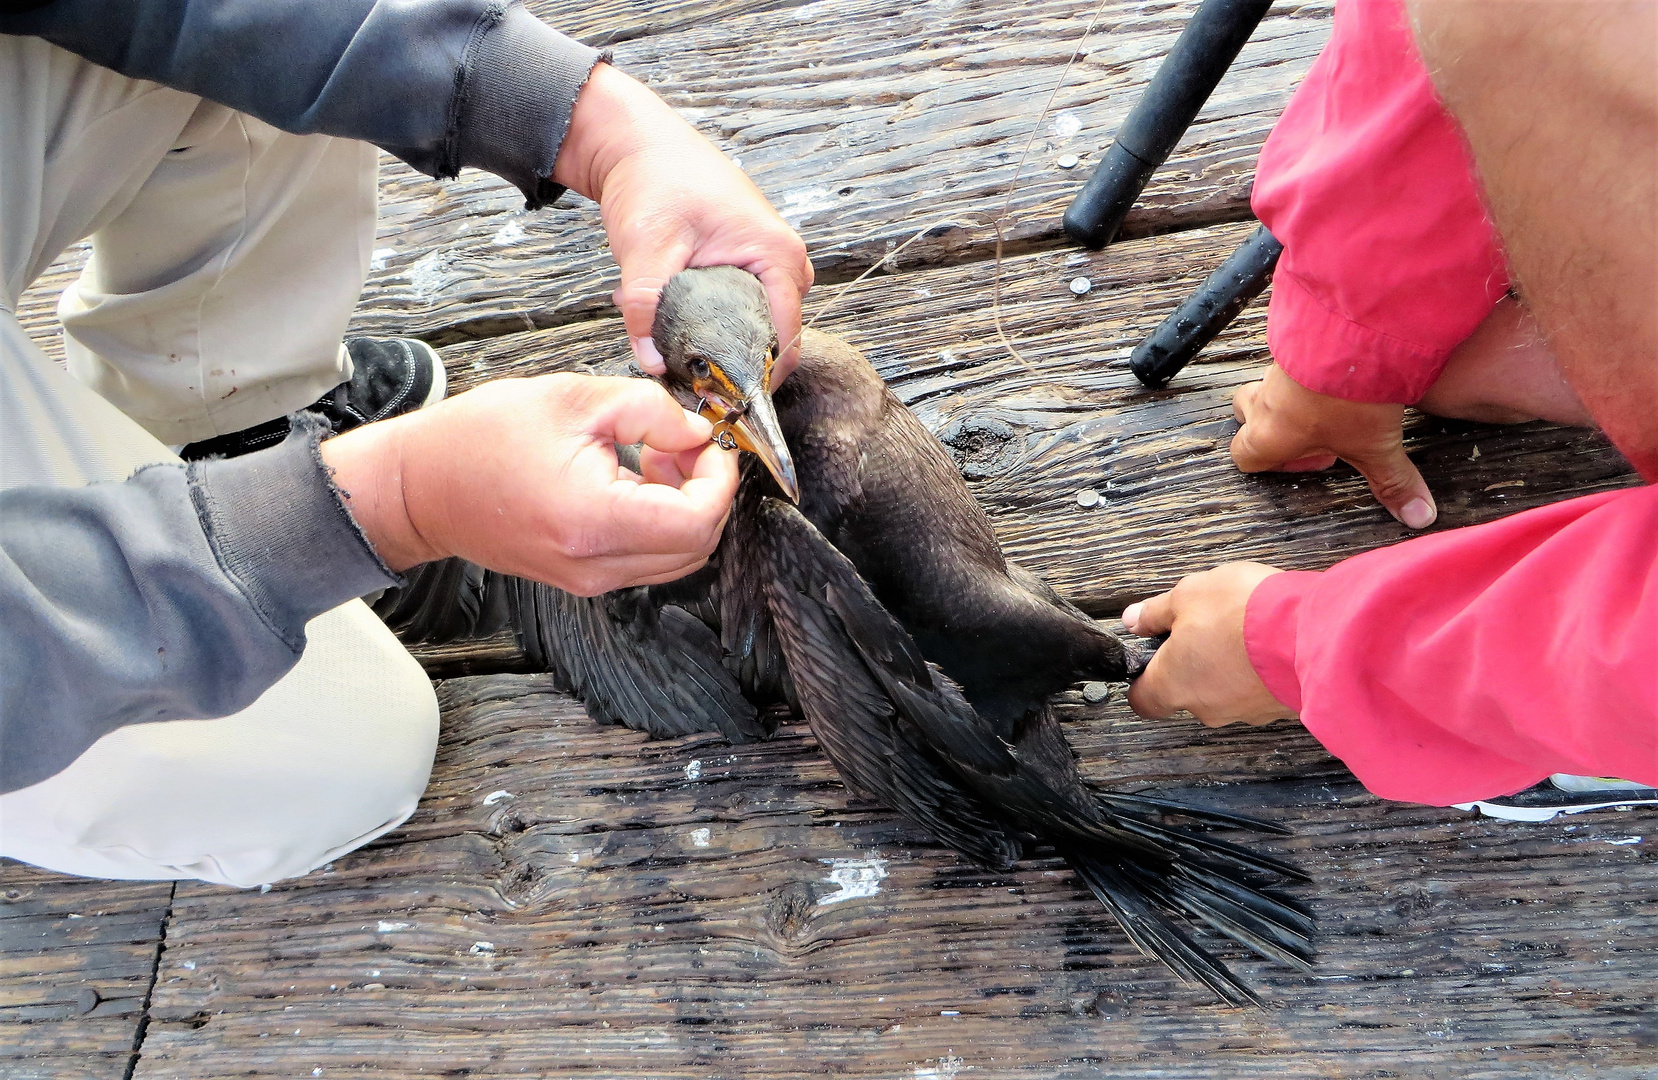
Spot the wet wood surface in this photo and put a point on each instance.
(76, 962)
(572, 900)
(864, 123)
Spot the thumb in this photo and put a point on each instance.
(644, 273)
(1398, 486)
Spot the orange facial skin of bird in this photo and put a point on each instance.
(744, 426)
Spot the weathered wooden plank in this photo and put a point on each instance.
(607, 22)
(911, 116)
(574, 901)
(1029, 440)
(76, 961)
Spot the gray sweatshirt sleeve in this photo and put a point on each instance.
(443, 84)
(182, 592)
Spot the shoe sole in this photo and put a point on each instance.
(1545, 812)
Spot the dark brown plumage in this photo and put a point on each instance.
(882, 610)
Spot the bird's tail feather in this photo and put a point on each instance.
(1206, 878)
(1153, 932)
(1196, 813)
(1268, 924)
(1166, 838)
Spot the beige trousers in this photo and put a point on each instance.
(226, 259)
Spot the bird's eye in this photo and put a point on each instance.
(699, 367)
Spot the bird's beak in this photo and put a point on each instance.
(753, 426)
(757, 431)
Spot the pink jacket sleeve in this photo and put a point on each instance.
(1476, 662)
(1389, 258)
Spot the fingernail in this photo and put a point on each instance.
(645, 355)
(1131, 615)
(1417, 514)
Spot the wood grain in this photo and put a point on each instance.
(572, 900)
(863, 123)
(76, 959)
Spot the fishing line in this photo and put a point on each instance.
(996, 287)
(876, 265)
(1013, 188)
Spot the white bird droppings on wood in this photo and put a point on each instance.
(854, 878)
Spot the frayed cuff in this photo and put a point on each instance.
(281, 530)
(515, 103)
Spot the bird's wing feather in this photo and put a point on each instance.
(895, 726)
(632, 660)
(445, 600)
(752, 651)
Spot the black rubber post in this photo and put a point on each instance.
(1208, 311)
(1188, 75)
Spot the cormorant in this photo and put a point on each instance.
(858, 581)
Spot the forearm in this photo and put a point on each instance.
(614, 117)
(180, 593)
(443, 84)
(1475, 662)
(1559, 104)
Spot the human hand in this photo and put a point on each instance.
(1288, 428)
(1204, 665)
(670, 200)
(521, 476)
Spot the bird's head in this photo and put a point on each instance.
(713, 328)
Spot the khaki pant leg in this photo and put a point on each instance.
(216, 298)
(335, 753)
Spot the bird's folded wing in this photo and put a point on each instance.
(632, 657)
(632, 660)
(894, 725)
(444, 601)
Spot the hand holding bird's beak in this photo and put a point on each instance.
(521, 476)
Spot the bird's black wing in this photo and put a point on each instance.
(635, 660)
(896, 727)
(641, 657)
(446, 600)
(752, 651)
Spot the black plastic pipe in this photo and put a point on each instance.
(1208, 311)
(1200, 56)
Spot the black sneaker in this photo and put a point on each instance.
(1564, 793)
(389, 377)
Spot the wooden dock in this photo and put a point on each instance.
(575, 901)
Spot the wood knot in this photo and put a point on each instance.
(982, 446)
(789, 911)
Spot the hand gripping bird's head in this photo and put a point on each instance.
(713, 328)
